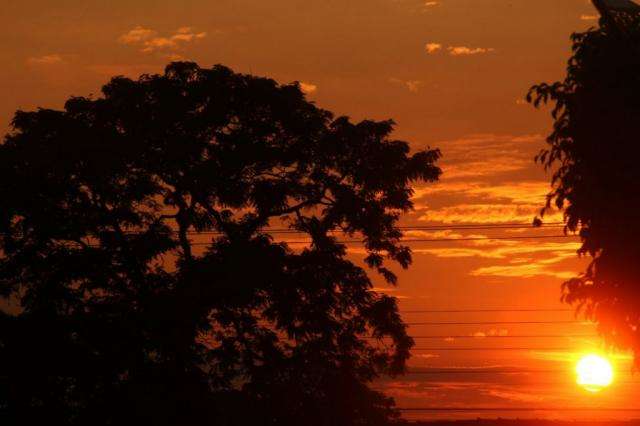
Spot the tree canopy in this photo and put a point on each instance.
(137, 237)
(593, 153)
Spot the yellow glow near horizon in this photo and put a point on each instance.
(594, 373)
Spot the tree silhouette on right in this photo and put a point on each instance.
(593, 155)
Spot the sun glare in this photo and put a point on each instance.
(594, 373)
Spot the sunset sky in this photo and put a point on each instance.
(453, 75)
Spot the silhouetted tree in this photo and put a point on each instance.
(593, 153)
(135, 235)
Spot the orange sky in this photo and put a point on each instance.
(453, 74)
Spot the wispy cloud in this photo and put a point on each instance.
(511, 395)
(426, 356)
(475, 386)
(523, 192)
(491, 332)
(411, 85)
(137, 35)
(150, 41)
(505, 249)
(488, 154)
(308, 88)
(418, 6)
(481, 182)
(528, 270)
(489, 212)
(46, 59)
(432, 48)
(466, 51)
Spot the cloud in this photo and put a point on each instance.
(504, 249)
(530, 269)
(477, 385)
(137, 35)
(417, 6)
(411, 85)
(432, 47)
(519, 258)
(484, 183)
(465, 51)
(432, 234)
(426, 356)
(149, 41)
(46, 60)
(488, 167)
(478, 202)
(490, 333)
(308, 88)
(542, 259)
(186, 34)
(515, 396)
(481, 182)
(525, 192)
(488, 154)
(494, 212)
(174, 57)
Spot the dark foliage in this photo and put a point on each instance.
(593, 153)
(129, 317)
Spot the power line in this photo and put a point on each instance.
(527, 409)
(483, 371)
(492, 372)
(555, 225)
(498, 322)
(432, 240)
(488, 226)
(471, 227)
(531, 336)
(420, 240)
(513, 383)
(496, 349)
(437, 240)
(456, 311)
(498, 336)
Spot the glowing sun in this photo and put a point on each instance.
(594, 373)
